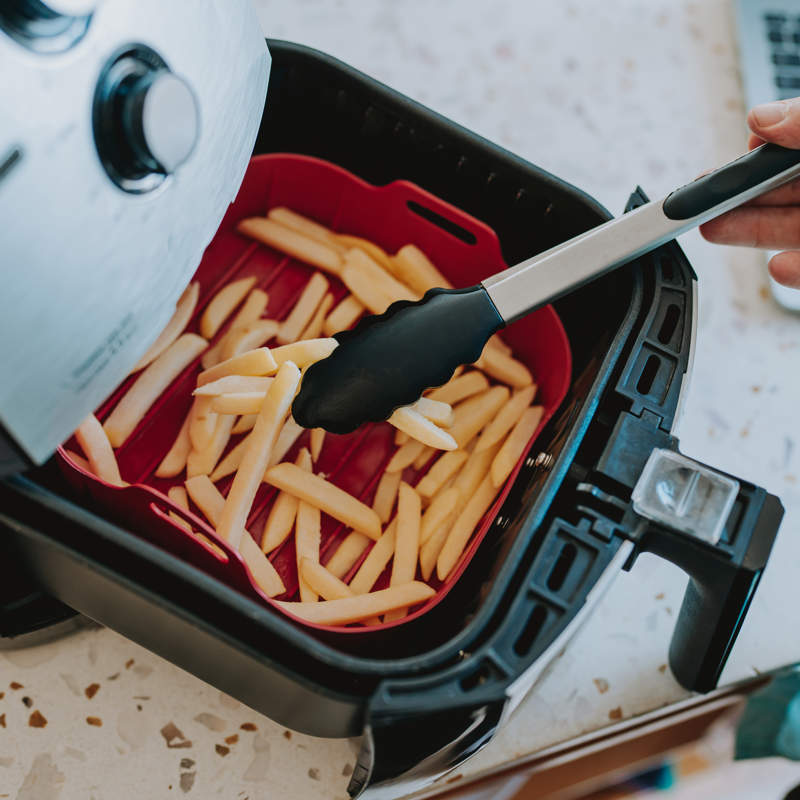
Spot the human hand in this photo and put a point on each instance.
(772, 221)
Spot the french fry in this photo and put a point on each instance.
(375, 562)
(248, 337)
(290, 433)
(448, 484)
(405, 456)
(460, 388)
(213, 545)
(355, 609)
(283, 513)
(97, 449)
(377, 254)
(504, 368)
(233, 384)
(416, 426)
(307, 533)
(292, 243)
(437, 514)
(245, 423)
(231, 462)
(326, 496)
(303, 309)
(254, 363)
(222, 305)
(476, 412)
(435, 410)
(445, 467)
(314, 328)
(203, 423)
(205, 496)
(386, 494)
(424, 457)
(316, 441)
(406, 546)
(297, 222)
(364, 289)
(322, 582)
(202, 462)
(466, 522)
(182, 523)
(347, 553)
(184, 309)
(147, 388)
(497, 343)
(304, 353)
(280, 522)
(238, 403)
(78, 460)
(179, 499)
(474, 471)
(256, 456)
(177, 494)
(253, 307)
(386, 283)
(415, 269)
(343, 316)
(264, 574)
(208, 499)
(175, 460)
(506, 418)
(429, 552)
(514, 445)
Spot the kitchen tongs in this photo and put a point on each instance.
(388, 360)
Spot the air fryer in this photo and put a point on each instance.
(593, 493)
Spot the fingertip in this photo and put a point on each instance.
(754, 127)
(707, 231)
(785, 268)
(777, 122)
(762, 118)
(715, 230)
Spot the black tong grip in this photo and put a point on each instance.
(388, 360)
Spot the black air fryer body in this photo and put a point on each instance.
(430, 693)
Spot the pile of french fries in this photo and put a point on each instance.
(470, 432)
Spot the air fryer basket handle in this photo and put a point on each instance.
(712, 611)
(723, 579)
(400, 754)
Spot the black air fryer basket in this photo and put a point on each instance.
(432, 692)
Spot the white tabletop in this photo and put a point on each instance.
(605, 95)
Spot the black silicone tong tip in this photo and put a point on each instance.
(388, 360)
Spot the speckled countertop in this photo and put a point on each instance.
(606, 95)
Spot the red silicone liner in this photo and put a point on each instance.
(389, 216)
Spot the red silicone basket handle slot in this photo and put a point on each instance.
(228, 567)
(149, 511)
(462, 230)
(195, 523)
(216, 556)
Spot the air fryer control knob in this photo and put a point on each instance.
(146, 119)
(160, 118)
